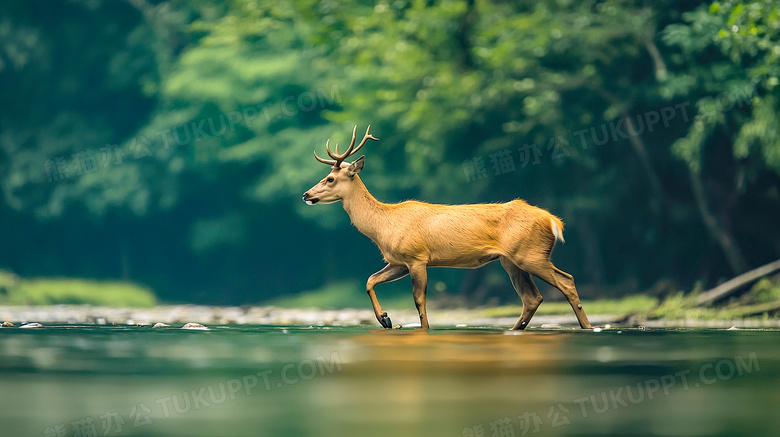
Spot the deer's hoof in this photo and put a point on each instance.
(386, 323)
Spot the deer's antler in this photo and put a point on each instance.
(351, 150)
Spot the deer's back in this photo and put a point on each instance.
(458, 235)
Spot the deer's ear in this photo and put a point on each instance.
(356, 166)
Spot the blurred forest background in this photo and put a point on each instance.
(167, 143)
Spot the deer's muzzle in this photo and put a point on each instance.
(308, 199)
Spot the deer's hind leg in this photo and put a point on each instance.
(547, 272)
(526, 289)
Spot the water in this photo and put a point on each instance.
(363, 381)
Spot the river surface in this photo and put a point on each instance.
(362, 381)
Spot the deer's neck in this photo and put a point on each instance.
(367, 214)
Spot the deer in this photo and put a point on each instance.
(414, 235)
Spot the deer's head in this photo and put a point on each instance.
(341, 179)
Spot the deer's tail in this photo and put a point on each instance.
(557, 228)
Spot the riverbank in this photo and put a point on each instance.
(268, 315)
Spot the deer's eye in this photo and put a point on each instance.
(330, 179)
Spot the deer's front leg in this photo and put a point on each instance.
(419, 285)
(390, 272)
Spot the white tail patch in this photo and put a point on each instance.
(557, 231)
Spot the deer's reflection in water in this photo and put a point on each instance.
(405, 376)
(453, 349)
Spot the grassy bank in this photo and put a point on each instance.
(625, 306)
(339, 295)
(761, 301)
(53, 291)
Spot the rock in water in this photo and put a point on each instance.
(8, 325)
(32, 325)
(194, 326)
(160, 325)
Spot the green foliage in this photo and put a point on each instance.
(748, 35)
(763, 298)
(765, 291)
(682, 307)
(45, 291)
(208, 215)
